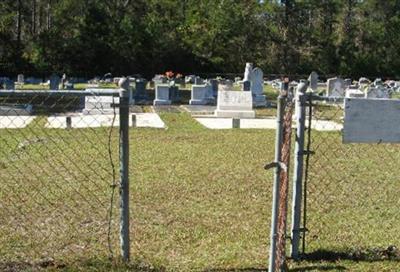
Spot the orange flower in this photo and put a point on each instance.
(169, 74)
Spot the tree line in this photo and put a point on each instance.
(92, 37)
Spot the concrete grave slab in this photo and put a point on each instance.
(149, 120)
(199, 109)
(15, 121)
(268, 123)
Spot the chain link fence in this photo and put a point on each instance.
(351, 192)
(59, 169)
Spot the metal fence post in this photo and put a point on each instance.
(275, 196)
(124, 167)
(298, 168)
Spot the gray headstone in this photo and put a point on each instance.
(174, 94)
(335, 87)
(313, 79)
(20, 79)
(214, 86)
(54, 82)
(246, 85)
(162, 95)
(198, 81)
(199, 95)
(9, 84)
(257, 81)
(140, 90)
(257, 88)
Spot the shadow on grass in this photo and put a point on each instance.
(49, 264)
(250, 269)
(357, 255)
(319, 268)
(391, 253)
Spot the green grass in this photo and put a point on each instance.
(200, 200)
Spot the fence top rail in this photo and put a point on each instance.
(87, 92)
(326, 98)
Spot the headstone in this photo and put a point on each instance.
(63, 81)
(9, 84)
(54, 82)
(69, 86)
(199, 95)
(190, 79)
(313, 80)
(377, 92)
(257, 88)
(347, 82)
(364, 81)
(141, 96)
(237, 79)
(100, 104)
(378, 82)
(354, 93)
(174, 94)
(20, 79)
(214, 87)
(160, 79)
(336, 87)
(246, 86)
(198, 81)
(247, 71)
(234, 104)
(162, 95)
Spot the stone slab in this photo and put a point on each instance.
(15, 121)
(268, 123)
(150, 120)
(371, 121)
(199, 109)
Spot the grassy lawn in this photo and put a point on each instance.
(200, 200)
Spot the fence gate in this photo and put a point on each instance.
(61, 169)
(350, 195)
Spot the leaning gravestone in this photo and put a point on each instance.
(335, 87)
(162, 95)
(234, 104)
(257, 88)
(54, 82)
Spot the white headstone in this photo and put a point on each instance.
(247, 71)
(234, 104)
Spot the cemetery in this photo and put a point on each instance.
(207, 136)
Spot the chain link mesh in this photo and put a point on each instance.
(352, 193)
(57, 162)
